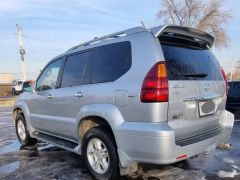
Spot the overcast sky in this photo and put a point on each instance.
(50, 27)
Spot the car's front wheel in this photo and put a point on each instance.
(22, 132)
(100, 155)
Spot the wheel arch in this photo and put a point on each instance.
(17, 110)
(22, 107)
(99, 115)
(89, 122)
(107, 114)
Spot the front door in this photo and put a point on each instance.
(71, 95)
(40, 104)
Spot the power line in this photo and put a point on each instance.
(19, 72)
(33, 50)
(37, 52)
(8, 34)
(49, 41)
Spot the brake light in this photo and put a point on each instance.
(155, 84)
(225, 79)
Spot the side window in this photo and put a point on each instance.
(19, 83)
(110, 62)
(48, 78)
(76, 71)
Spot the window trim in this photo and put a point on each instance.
(90, 51)
(58, 84)
(91, 61)
(48, 64)
(173, 75)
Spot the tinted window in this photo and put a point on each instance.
(76, 70)
(110, 62)
(184, 61)
(49, 76)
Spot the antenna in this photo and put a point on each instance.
(143, 24)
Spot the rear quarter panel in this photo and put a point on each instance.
(124, 93)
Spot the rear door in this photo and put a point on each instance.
(71, 95)
(196, 87)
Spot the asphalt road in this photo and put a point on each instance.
(45, 161)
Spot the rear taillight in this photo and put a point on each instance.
(225, 79)
(155, 84)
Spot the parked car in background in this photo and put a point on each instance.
(17, 87)
(233, 98)
(137, 96)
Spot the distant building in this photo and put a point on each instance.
(6, 78)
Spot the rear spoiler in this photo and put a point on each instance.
(157, 31)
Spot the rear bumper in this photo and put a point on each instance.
(155, 142)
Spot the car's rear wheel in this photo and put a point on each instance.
(22, 132)
(100, 155)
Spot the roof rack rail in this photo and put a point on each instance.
(110, 36)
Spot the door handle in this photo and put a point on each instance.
(49, 96)
(78, 95)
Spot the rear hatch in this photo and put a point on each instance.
(196, 87)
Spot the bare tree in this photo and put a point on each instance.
(205, 15)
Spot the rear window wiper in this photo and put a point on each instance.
(200, 75)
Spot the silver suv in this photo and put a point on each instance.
(137, 96)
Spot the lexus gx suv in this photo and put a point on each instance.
(137, 96)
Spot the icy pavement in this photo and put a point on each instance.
(44, 161)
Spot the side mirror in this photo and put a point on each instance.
(27, 87)
(34, 87)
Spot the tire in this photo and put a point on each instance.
(22, 132)
(99, 148)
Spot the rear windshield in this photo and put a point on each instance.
(190, 63)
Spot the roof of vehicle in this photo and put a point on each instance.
(111, 36)
(156, 31)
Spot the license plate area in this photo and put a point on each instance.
(206, 108)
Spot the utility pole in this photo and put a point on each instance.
(21, 51)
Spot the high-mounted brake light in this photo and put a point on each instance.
(225, 79)
(155, 84)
